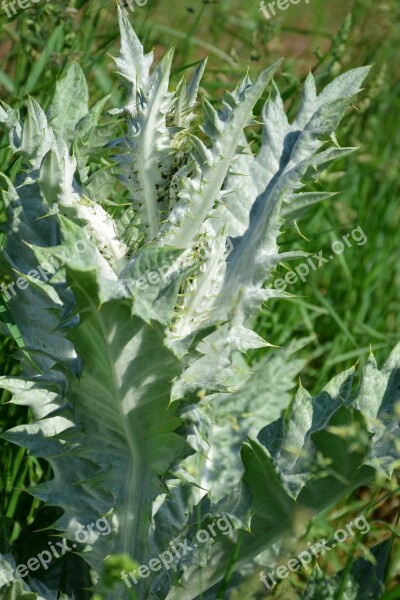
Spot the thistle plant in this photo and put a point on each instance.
(145, 243)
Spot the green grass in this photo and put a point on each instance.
(348, 305)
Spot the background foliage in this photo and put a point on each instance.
(344, 307)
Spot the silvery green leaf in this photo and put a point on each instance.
(226, 130)
(382, 417)
(146, 150)
(365, 580)
(69, 104)
(133, 64)
(312, 457)
(21, 588)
